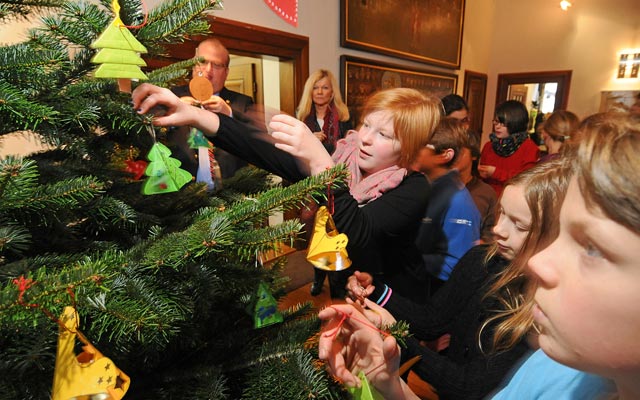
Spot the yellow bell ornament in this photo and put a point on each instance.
(328, 248)
(87, 375)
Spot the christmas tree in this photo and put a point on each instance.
(168, 286)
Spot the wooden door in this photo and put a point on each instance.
(241, 79)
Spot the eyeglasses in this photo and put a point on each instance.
(496, 121)
(213, 65)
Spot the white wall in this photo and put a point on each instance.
(587, 39)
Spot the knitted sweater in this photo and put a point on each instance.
(506, 167)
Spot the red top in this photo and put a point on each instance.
(506, 167)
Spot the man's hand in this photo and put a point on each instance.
(217, 104)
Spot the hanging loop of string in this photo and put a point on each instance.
(330, 205)
(333, 335)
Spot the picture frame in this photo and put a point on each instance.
(475, 92)
(418, 30)
(618, 100)
(359, 78)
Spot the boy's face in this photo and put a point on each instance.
(588, 296)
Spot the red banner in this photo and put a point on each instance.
(286, 9)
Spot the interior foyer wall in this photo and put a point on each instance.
(588, 38)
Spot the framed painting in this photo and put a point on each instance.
(360, 78)
(618, 100)
(428, 31)
(475, 91)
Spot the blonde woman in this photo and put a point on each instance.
(321, 108)
(556, 130)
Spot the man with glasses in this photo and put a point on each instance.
(215, 68)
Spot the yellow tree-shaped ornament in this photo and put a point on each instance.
(119, 53)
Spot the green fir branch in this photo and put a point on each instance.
(66, 194)
(175, 19)
(22, 10)
(14, 239)
(18, 112)
(250, 242)
(288, 197)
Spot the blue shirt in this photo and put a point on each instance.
(450, 227)
(539, 377)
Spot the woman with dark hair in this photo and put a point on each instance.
(509, 150)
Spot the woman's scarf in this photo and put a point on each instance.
(507, 146)
(331, 126)
(374, 185)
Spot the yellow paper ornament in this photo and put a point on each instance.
(328, 248)
(87, 374)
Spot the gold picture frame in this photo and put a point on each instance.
(360, 78)
(418, 30)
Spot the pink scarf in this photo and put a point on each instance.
(374, 185)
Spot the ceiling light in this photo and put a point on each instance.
(565, 4)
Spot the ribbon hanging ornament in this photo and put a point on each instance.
(328, 247)
(85, 375)
(119, 53)
(164, 172)
(208, 168)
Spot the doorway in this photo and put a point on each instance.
(541, 92)
(283, 56)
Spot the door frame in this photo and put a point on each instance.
(250, 40)
(563, 78)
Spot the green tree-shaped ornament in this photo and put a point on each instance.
(119, 53)
(164, 172)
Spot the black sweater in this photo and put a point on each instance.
(458, 308)
(381, 233)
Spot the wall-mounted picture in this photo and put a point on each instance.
(619, 100)
(359, 78)
(475, 91)
(429, 31)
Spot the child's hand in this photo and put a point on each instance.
(486, 171)
(360, 286)
(294, 137)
